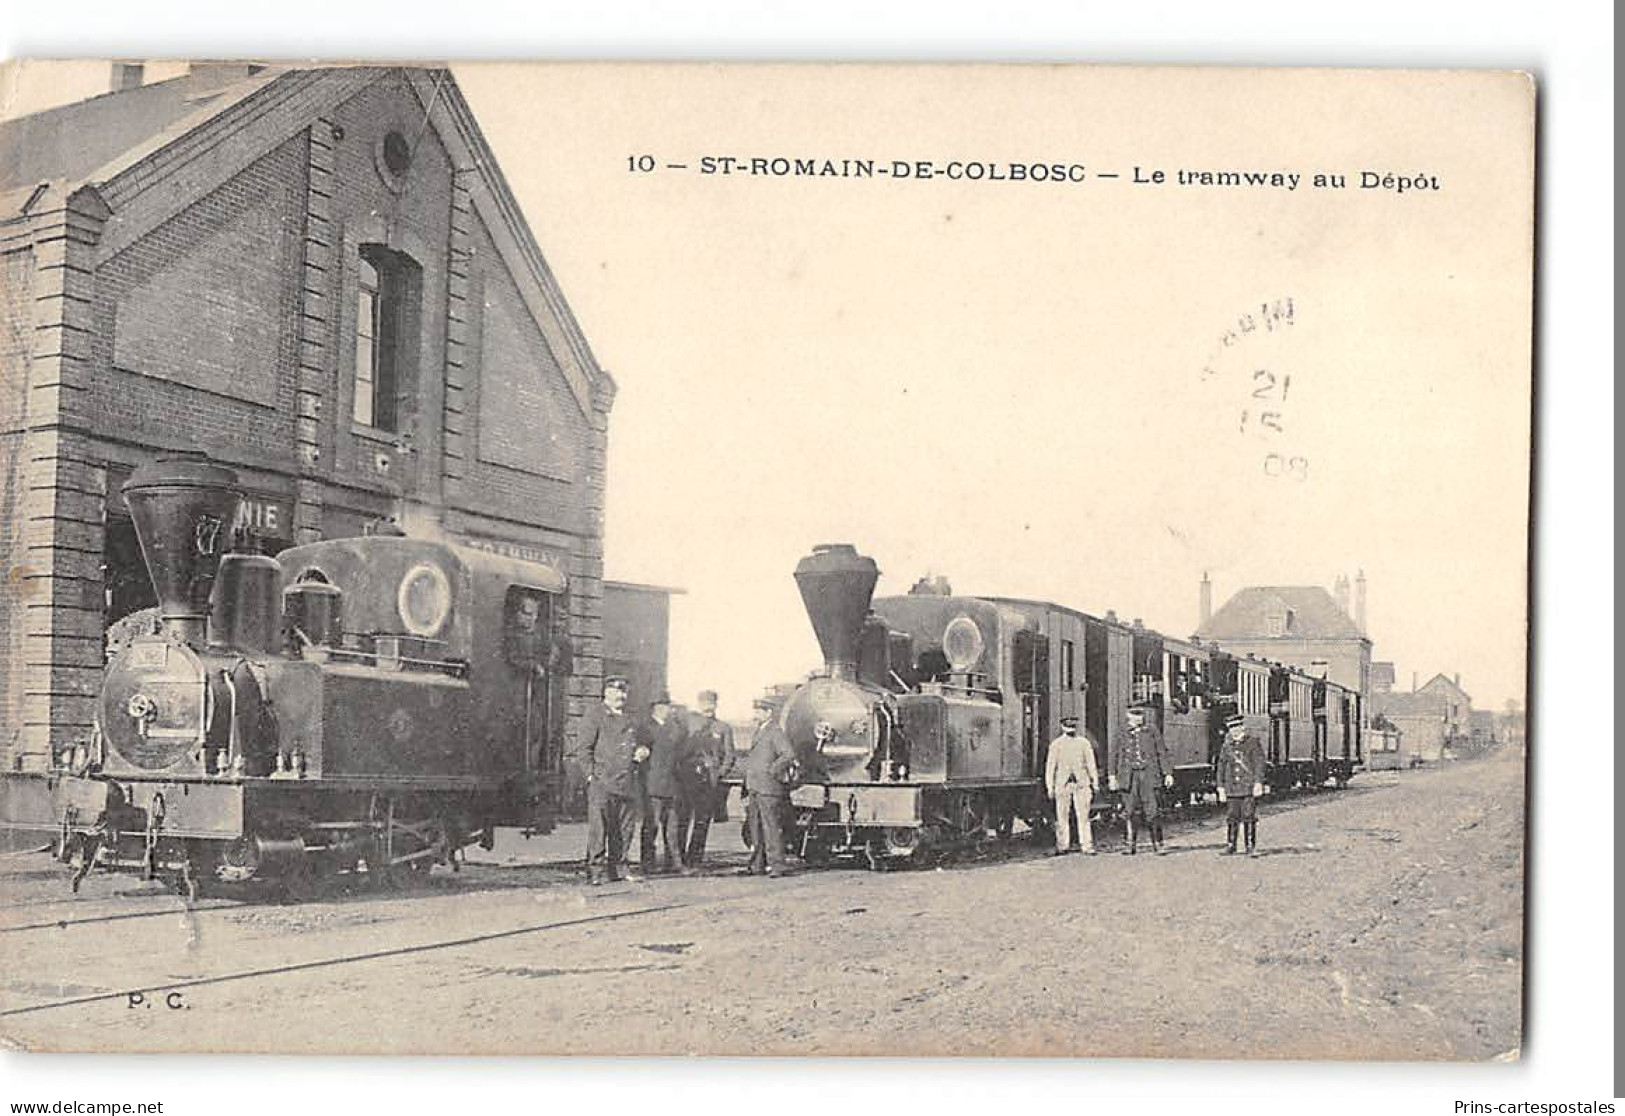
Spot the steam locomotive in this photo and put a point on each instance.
(931, 721)
(366, 705)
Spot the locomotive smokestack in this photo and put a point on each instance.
(184, 507)
(836, 584)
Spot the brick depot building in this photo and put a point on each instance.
(318, 277)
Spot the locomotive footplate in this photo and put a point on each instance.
(41, 802)
(893, 823)
(863, 806)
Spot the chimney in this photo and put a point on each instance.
(1413, 681)
(1457, 680)
(127, 75)
(1340, 590)
(1359, 601)
(836, 584)
(183, 506)
(1206, 599)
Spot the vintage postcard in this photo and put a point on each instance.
(764, 559)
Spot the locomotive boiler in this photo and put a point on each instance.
(369, 705)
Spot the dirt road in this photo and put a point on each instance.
(1382, 921)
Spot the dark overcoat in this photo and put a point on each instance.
(1144, 748)
(704, 757)
(665, 742)
(1241, 764)
(605, 742)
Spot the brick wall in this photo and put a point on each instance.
(410, 215)
(196, 322)
(528, 420)
(530, 436)
(16, 328)
(217, 311)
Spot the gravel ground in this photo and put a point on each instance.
(1383, 921)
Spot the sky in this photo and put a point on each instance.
(1028, 388)
(1039, 389)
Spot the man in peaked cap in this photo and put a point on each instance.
(1240, 779)
(1140, 770)
(1071, 777)
(604, 754)
(769, 774)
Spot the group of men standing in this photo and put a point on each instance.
(1139, 771)
(661, 773)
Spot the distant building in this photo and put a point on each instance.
(1422, 718)
(1437, 719)
(1458, 703)
(1299, 625)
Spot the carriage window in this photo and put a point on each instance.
(1068, 665)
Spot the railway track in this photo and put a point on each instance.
(126, 994)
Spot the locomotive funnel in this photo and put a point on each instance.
(184, 507)
(836, 584)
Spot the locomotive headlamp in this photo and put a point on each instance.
(962, 643)
(424, 600)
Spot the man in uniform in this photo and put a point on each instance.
(1241, 783)
(606, 755)
(703, 761)
(662, 733)
(1141, 768)
(769, 773)
(1071, 777)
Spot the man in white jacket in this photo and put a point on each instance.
(1072, 778)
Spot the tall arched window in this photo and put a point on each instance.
(386, 336)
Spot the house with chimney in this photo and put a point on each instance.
(319, 277)
(1436, 719)
(1305, 626)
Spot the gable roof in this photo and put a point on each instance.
(117, 145)
(71, 143)
(1310, 613)
(1440, 684)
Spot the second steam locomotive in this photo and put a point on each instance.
(931, 720)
